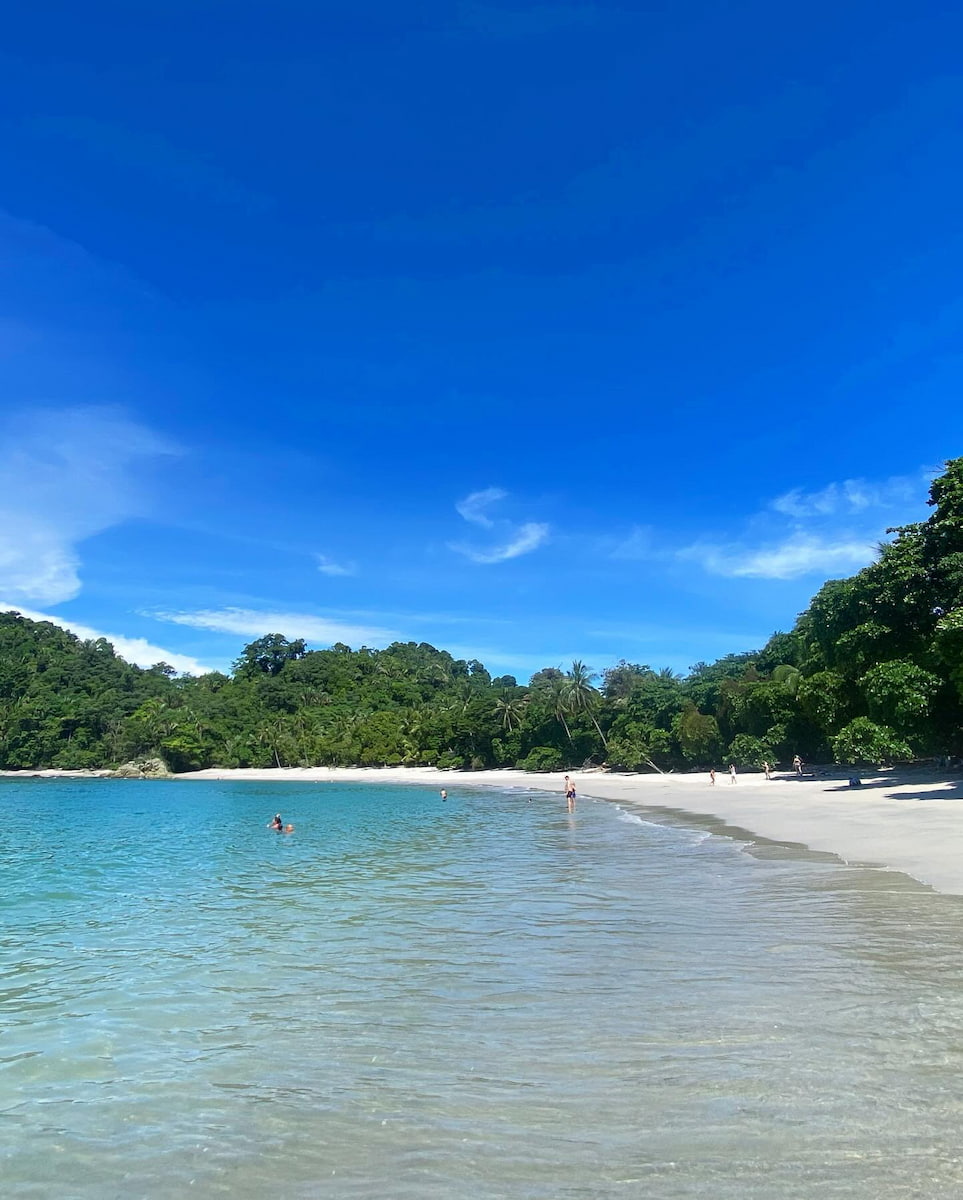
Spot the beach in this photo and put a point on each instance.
(905, 820)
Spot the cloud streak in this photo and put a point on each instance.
(473, 507)
(795, 556)
(517, 539)
(527, 538)
(830, 531)
(851, 497)
(249, 622)
(138, 651)
(65, 475)
(327, 566)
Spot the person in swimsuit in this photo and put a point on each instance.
(569, 794)
(278, 825)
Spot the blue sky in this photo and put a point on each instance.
(535, 331)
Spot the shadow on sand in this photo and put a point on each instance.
(938, 788)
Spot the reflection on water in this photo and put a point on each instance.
(485, 998)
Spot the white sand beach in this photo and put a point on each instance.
(909, 821)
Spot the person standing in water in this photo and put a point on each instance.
(444, 794)
(569, 794)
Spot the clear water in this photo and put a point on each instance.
(482, 998)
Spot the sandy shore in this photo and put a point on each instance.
(909, 821)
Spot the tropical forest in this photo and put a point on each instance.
(871, 672)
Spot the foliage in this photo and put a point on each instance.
(542, 758)
(863, 741)
(748, 751)
(899, 694)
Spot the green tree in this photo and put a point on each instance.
(269, 655)
(863, 741)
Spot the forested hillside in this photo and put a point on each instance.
(872, 671)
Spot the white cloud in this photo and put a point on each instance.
(138, 651)
(327, 566)
(852, 496)
(832, 531)
(517, 539)
(800, 554)
(66, 475)
(472, 508)
(248, 622)
(528, 537)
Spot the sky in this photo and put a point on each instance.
(535, 331)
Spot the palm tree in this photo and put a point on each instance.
(790, 677)
(582, 695)
(558, 694)
(510, 712)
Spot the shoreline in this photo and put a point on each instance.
(904, 820)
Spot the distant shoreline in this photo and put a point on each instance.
(905, 820)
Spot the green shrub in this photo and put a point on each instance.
(863, 741)
(747, 751)
(542, 758)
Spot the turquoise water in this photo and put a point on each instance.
(482, 998)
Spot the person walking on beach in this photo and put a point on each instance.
(569, 794)
(767, 769)
(797, 764)
(712, 777)
(732, 772)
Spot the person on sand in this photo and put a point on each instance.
(712, 777)
(569, 794)
(797, 764)
(767, 770)
(732, 772)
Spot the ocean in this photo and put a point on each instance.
(480, 998)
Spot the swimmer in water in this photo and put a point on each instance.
(278, 825)
(444, 794)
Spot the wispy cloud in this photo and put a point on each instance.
(327, 566)
(65, 475)
(138, 651)
(638, 544)
(473, 507)
(851, 497)
(833, 530)
(799, 554)
(249, 622)
(516, 540)
(527, 538)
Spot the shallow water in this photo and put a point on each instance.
(487, 997)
